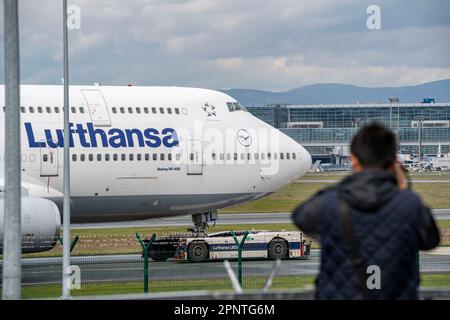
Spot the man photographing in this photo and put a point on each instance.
(370, 225)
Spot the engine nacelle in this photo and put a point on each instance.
(41, 223)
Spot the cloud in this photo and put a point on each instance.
(273, 44)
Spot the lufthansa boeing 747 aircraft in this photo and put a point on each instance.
(142, 152)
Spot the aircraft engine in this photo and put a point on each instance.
(41, 223)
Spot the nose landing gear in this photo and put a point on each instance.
(201, 222)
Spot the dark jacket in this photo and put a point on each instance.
(390, 225)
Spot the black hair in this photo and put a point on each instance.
(375, 146)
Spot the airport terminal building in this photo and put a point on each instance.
(325, 130)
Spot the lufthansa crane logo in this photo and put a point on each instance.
(244, 137)
(209, 109)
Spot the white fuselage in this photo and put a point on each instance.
(141, 152)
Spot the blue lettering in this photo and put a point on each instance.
(115, 137)
(170, 138)
(82, 135)
(93, 136)
(54, 143)
(154, 141)
(138, 134)
(30, 135)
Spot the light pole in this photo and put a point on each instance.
(12, 233)
(66, 178)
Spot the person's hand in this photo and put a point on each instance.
(399, 172)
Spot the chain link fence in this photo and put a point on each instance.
(114, 265)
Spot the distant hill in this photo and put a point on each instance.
(343, 93)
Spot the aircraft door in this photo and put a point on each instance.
(195, 157)
(49, 162)
(98, 108)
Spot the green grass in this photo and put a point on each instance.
(413, 175)
(284, 200)
(435, 280)
(283, 282)
(109, 288)
(443, 224)
(436, 195)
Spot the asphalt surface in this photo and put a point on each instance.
(225, 218)
(130, 268)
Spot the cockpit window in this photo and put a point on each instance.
(235, 106)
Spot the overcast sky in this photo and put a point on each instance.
(220, 44)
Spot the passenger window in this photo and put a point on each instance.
(147, 157)
(145, 110)
(73, 109)
(288, 156)
(269, 155)
(293, 156)
(31, 110)
(99, 157)
(161, 156)
(74, 157)
(82, 157)
(169, 110)
(235, 156)
(161, 110)
(48, 110)
(222, 156)
(177, 111)
(122, 110)
(107, 157)
(228, 156)
(282, 156)
(191, 156)
(138, 110)
(81, 110)
(153, 110)
(263, 156)
(256, 156)
(45, 158)
(123, 157)
(155, 157)
(56, 110)
(114, 110)
(178, 156)
(22, 109)
(139, 157)
(115, 157)
(169, 156)
(242, 156)
(213, 156)
(130, 110)
(131, 157)
(91, 157)
(39, 109)
(249, 156)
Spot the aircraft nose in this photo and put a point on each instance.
(307, 160)
(303, 162)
